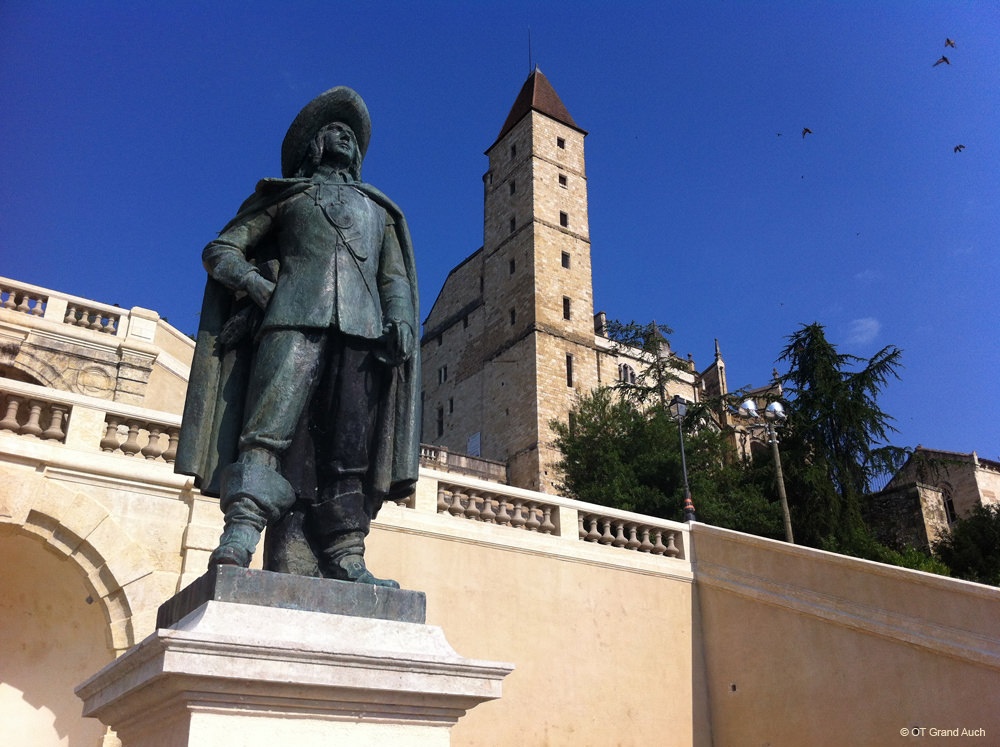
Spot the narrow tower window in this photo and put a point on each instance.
(560, 142)
(511, 267)
(569, 369)
(563, 219)
(513, 225)
(565, 307)
(565, 260)
(513, 186)
(562, 180)
(513, 317)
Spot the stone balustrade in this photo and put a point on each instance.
(60, 307)
(140, 437)
(439, 457)
(87, 423)
(470, 499)
(492, 507)
(33, 416)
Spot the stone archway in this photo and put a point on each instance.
(65, 610)
(53, 635)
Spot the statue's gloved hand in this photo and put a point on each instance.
(397, 343)
(259, 289)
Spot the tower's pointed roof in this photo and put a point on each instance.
(539, 95)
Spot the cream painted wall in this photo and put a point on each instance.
(804, 647)
(604, 655)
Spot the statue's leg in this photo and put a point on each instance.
(254, 492)
(344, 411)
(341, 524)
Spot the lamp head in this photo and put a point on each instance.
(775, 410)
(749, 407)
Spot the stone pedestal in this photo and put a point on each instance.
(237, 661)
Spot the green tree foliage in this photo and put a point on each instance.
(972, 551)
(835, 439)
(621, 447)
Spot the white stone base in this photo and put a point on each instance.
(248, 676)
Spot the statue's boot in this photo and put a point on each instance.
(252, 495)
(341, 524)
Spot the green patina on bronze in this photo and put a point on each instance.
(302, 407)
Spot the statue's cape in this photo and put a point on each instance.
(213, 409)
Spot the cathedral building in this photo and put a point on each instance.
(512, 339)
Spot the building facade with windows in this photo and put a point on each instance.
(512, 339)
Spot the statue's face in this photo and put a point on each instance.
(339, 146)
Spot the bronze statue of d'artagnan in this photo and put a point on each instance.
(302, 408)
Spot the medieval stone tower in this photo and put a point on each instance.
(510, 339)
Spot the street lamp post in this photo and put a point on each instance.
(678, 408)
(772, 413)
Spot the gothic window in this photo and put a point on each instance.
(626, 374)
(947, 495)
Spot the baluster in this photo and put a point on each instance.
(606, 537)
(23, 306)
(503, 518)
(533, 521)
(672, 550)
(110, 440)
(170, 455)
(517, 520)
(55, 431)
(109, 325)
(456, 508)
(32, 428)
(131, 445)
(658, 547)
(580, 531)
(488, 515)
(633, 542)
(71, 312)
(619, 534)
(442, 505)
(472, 512)
(547, 526)
(95, 321)
(9, 422)
(645, 545)
(9, 301)
(592, 535)
(37, 309)
(152, 449)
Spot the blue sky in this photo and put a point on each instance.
(130, 135)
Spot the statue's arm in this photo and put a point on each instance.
(396, 296)
(226, 261)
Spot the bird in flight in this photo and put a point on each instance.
(943, 59)
(806, 131)
(949, 43)
(958, 148)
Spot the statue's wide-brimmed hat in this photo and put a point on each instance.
(340, 104)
